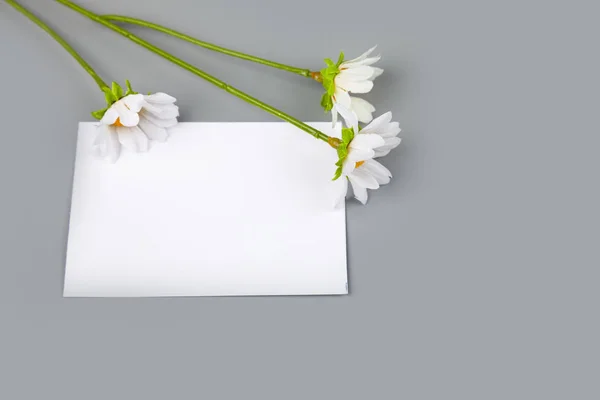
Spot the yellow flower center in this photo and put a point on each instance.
(118, 121)
(358, 164)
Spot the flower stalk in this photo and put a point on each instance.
(219, 49)
(101, 84)
(197, 71)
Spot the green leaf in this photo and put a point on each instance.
(329, 62)
(117, 90)
(98, 114)
(340, 59)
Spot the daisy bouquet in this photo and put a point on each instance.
(133, 121)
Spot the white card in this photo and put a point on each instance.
(220, 209)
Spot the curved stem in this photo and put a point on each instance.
(206, 45)
(101, 84)
(215, 81)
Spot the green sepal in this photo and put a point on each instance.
(109, 96)
(340, 58)
(117, 90)
(328, 75)
(347, 135)
(342, 150)
(98, 114)
(338, 173)
(129, 89)
(112, 95)
(326, 102)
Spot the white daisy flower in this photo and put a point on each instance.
(356, 153)
(133, 121)
(345, 77)
(368, 174)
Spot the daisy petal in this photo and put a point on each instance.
(166, 111)
(340, 188)
(110, 116)
(378, 124)
(360, 192)
(393, 141)
(376, 72)
(364, 178)
(102, 133)
(359, 73)
(133, 138)
(152, 131)
(348, 166)
(160, 98)
(348, 115)
(390, 144)
(371, 60)
(381, 153)
(104, 144)
(133, 102)
(361, 57)
(169, 111)
(356, 155)
(113, 146)
(99, 148)
(363, 109)
(334, 117)
(366, 141)
(127, 117)
(366, 62)
(391, 130)
(342, 97)
(163, 123)
(353, 86)
(151, 108)
(378, 171)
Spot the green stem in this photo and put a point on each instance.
(206, 45)
(60, 40)
(217, 82)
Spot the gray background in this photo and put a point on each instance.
(473, 275)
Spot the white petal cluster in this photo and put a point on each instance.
(360, 167)
(355, 76)
(133, 122)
